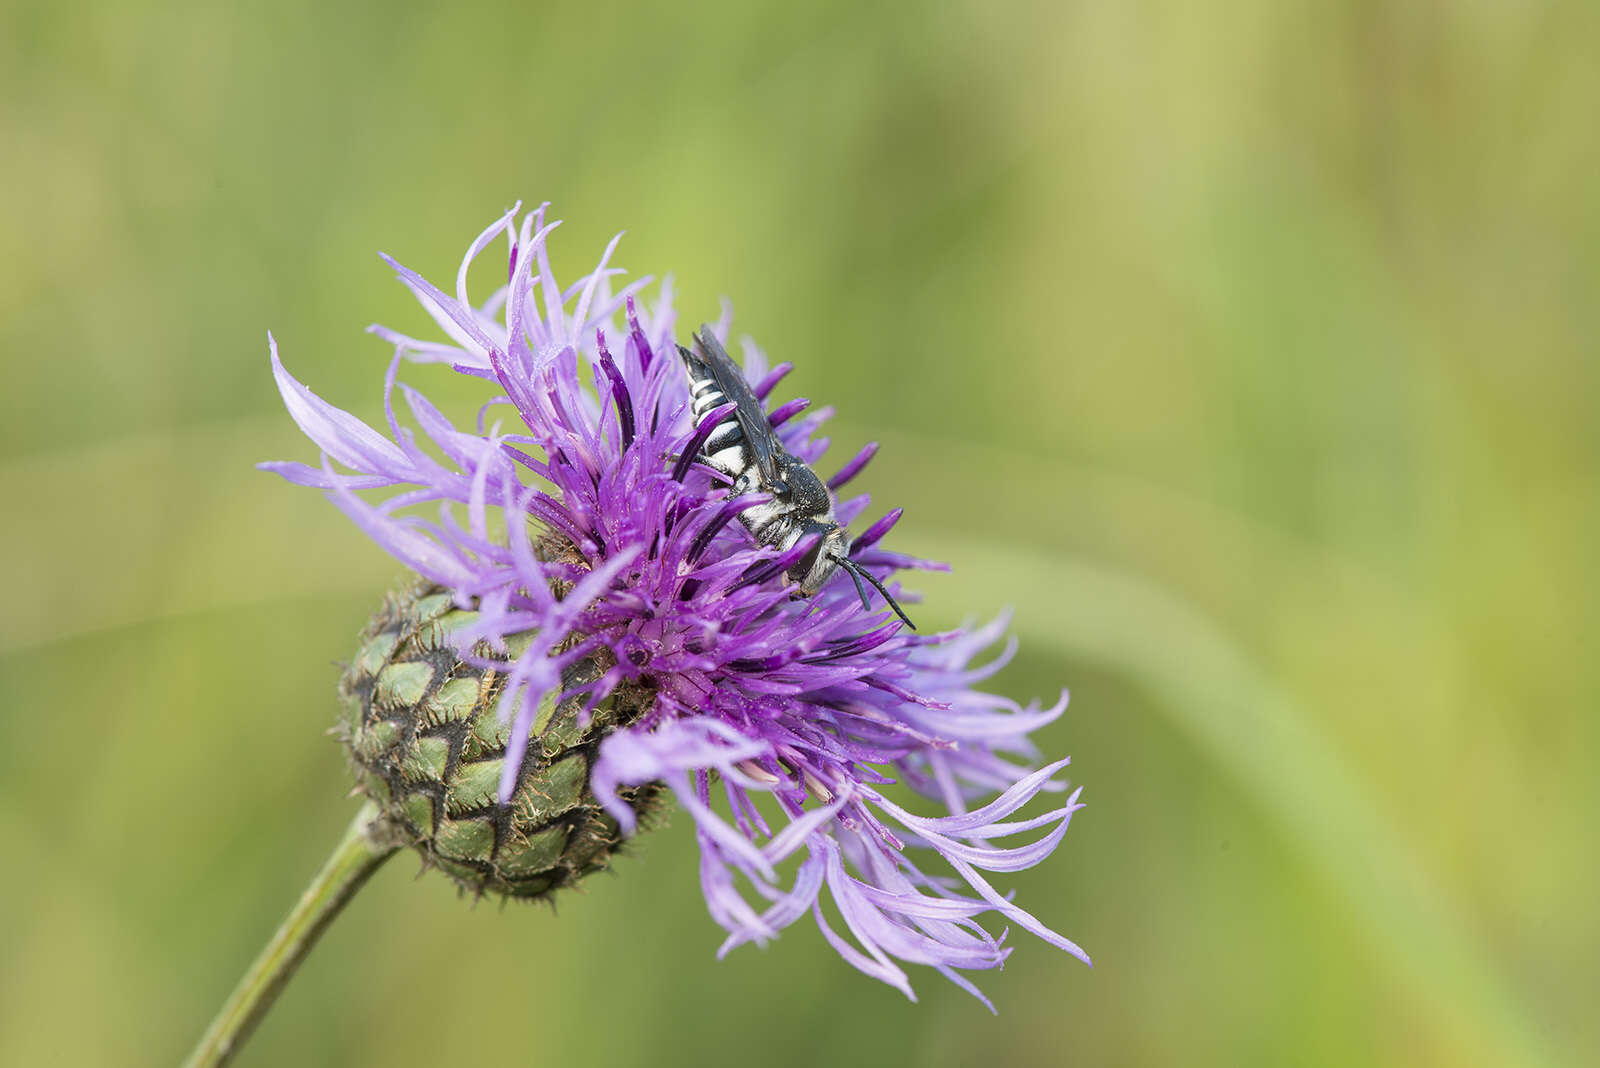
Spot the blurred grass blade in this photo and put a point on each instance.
(1258, 736)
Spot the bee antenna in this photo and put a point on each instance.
(855, 577)
(857, 573)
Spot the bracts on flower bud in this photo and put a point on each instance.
(427, 746)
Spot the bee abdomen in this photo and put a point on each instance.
(725, 448)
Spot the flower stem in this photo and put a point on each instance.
(359, 853)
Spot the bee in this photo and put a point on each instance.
(744, 447)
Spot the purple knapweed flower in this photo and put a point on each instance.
(798, 713)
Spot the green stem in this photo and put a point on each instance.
(359, 853)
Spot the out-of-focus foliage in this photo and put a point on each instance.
(1247, 349)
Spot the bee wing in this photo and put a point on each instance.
(752, 416)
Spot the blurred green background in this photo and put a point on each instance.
(1246, 348)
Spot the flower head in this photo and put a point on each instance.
(579, 524)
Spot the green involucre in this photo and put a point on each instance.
(427, 746)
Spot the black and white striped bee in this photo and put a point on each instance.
(744, 447)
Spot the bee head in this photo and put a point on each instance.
(815, 567)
